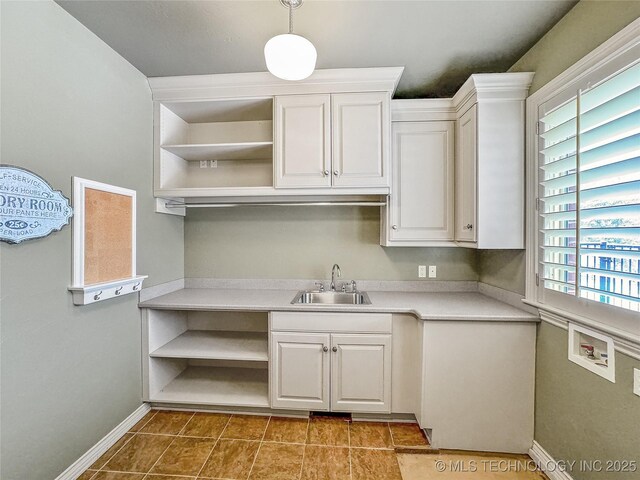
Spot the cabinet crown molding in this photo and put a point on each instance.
(191, 87)
(422, 110)
(493, 86)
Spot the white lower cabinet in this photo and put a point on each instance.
(340, 372)
(300, 372)
(361, 373)
(478, 385)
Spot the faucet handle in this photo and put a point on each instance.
(320, 286)
(351, 284)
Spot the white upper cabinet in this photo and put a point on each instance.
(481, 205)
(302, 146)
(466, 177)
(360, 127)
(336, 141)
(420, 210)
(490, 161)
(254, 136)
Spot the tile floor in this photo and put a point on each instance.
(174, 445)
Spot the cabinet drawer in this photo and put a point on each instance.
(331, 322)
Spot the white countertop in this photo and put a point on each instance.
(462, 306)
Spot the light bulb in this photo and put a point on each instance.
(290, 56)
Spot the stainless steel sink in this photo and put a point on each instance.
(332, 298)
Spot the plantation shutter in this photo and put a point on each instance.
(589, 191)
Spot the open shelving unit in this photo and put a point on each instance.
(214, 144)
(245, 387)
(207, 358)
(215, 345)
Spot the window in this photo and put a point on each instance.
(588, 201)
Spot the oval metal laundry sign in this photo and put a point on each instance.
(29, 207)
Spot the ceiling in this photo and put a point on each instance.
(439, 42)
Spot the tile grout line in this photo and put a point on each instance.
(155, 412)
(168, 446)
(133, 434)
(349, 436)
(145, 474)
(393, 440)
(304, 449)
(214, 446)
(259, 446)
(94, 473)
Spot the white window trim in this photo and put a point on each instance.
(624, 341)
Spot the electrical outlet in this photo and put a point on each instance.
(636, 381)
(204, 164)
(433, 271)
(422, 271)
(214, 163)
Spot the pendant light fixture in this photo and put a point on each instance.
(290, 56)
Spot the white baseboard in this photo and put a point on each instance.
(547, 464)
(86, 460)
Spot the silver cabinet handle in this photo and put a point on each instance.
(326, 173)
(395, 227)
(334, 349)
(336, 173)
(325, 348)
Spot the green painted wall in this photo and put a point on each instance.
(587, 25)
(503, 268)
(71, 106)
(579, 415)
(304, 242)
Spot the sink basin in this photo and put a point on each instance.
(332, 298)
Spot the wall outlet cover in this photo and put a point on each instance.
(636, 381)
(203, 164)
(422, 271)
(214, 163)
(433, 271)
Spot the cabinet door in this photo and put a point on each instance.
(421, 207)
(466, 164)
(302, 141)
(361, 373)
(299, 371)
(360, 127)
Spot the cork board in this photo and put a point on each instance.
(108, 236)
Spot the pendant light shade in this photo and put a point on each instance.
(289, 56)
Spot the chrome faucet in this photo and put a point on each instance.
(335, 268)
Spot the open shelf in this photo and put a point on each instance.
(216, 345)
(235, 133)
(244, 387)
(222, 151)
(228, 110)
